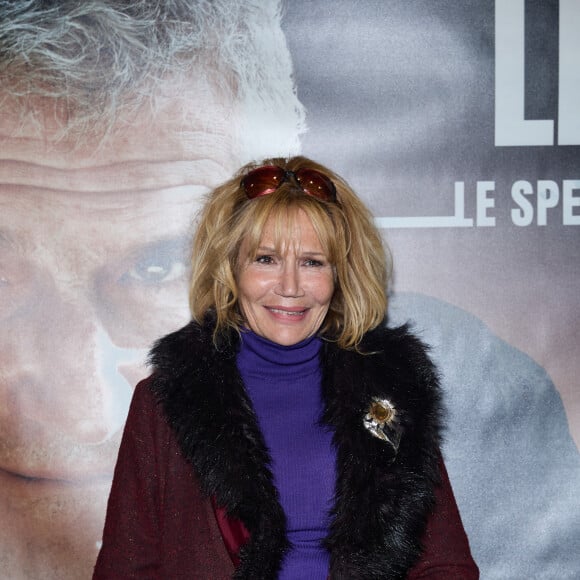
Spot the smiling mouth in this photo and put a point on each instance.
(54, 478)
(57, 472)
(32, 478)
(290, 313)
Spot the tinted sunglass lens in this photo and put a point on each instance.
(263, 180)
(316, 184)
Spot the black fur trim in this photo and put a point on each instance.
(207, 406)
(381, 501)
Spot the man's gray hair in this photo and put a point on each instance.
(104, 57)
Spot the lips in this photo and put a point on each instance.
(39, 475)
(287, 312)
(37, 444)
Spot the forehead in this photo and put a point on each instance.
(189, 136)
(288, 230)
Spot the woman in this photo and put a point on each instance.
(285, 432)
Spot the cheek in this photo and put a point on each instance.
(326, 291)
(250, 288)
(256, 282)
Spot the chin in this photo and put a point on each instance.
(50, 529)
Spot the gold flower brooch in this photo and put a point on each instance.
(382, 421)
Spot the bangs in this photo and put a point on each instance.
(281, 211)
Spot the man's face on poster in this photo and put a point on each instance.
(94, 238)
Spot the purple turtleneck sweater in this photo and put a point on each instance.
(283, 383)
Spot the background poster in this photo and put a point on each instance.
(457, 122)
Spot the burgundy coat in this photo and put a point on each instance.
(191, 435)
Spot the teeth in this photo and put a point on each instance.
(287, 313)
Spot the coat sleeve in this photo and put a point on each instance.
(446, 552)
(159, 523)
(130, 546)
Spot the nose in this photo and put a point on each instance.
(289, 281)
(62, 370)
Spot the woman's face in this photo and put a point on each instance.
(285, 295)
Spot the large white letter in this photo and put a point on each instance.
(510, 126)
(570, 202)
(548, 196)
(525, 215)
(569, 75)
(484, 202)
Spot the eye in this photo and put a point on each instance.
(157, 272)
(312, 263)
(144, 291)
(157, 264)
(264, 259)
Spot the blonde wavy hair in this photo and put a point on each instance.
(345, 229)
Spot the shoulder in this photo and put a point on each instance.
(399, 354)
(191, 374)
(399, 342)
(191, 347)
(175, 349)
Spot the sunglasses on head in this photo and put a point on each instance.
(268, 178)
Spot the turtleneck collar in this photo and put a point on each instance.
(258, 355)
